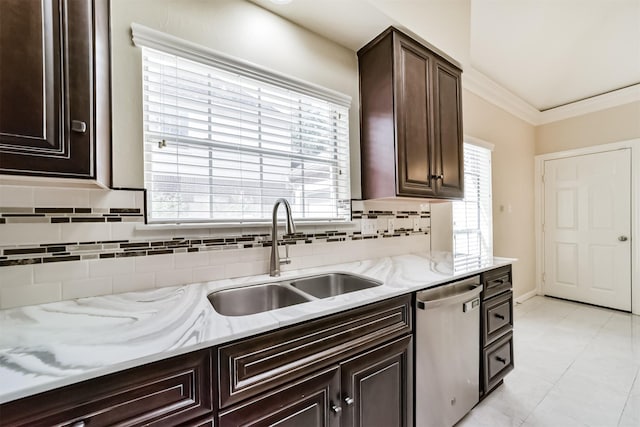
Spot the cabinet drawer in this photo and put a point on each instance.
(169, 392)
(497, 317)
(496, 281)
(498, 361)
(257, 364)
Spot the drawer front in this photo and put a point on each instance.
(498, 361)
(168, 392)
(260, 363)
(497, 317)
(496, 281)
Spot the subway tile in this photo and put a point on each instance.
(207, 274)
(221, 257)
(174, 278)
(16, 196)
(19, 275)
(256, 254)
(156, 263)
(111, 266)
(241, 269)
(61, 197)
(41, 293)
(133, 282)
(191, 260)
(113, 199)
(72, 289)
(60, 271)
(85, 232)
(23, 234)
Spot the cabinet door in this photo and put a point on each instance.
(310, 402)
(168, 392)
(448, 131)
(414, 66)
(30, 78)
(376, 387)
(54, 86)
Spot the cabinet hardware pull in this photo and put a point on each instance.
(500, 359)
(436, 177)
(499, 316)
(335, 409)
(80, 423)
(78, 126)
(623, 238)
(349, 401)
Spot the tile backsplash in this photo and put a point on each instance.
(58, 244)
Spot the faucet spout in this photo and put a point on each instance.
(275, 261)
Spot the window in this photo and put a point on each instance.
(223, 140)
(472, 217)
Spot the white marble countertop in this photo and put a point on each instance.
(52, 345)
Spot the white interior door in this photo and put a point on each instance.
(587, 228)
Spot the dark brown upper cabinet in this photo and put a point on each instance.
(410, 120)
(55, 115)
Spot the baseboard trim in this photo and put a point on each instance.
(524, 297)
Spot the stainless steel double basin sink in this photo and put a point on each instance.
(253, 299)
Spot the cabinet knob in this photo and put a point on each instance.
(623, 238)
(335, 409)
(349, 401)
(78, 126)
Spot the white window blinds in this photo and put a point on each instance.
(472, 217)
(222, 146)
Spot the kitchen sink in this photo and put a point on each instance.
(254, 299)
(270, 296)
(332, 284)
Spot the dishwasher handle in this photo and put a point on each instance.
(454, 293)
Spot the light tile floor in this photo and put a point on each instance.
(575, 365)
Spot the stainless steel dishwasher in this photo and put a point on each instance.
(447, 352)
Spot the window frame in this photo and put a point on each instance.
(144, 37)
(484, 231)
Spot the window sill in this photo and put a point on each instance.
(236, 225)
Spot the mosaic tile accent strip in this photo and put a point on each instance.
(75, 251)
(69, 215)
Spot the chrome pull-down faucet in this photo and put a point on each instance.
(275, 261)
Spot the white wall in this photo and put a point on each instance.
(234, 27)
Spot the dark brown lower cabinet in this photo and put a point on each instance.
(375, 388)
(348, 369)
(170, 392)
(351, 368)
(310, 402)
(496, 328)
(369, 390)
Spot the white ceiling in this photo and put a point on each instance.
(547, 53)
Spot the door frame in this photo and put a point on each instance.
(634, 146)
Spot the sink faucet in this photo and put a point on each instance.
(274, 264)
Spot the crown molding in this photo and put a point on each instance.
(590, 105)
(483, 86)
